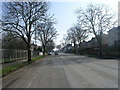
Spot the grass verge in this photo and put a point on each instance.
(5, 71)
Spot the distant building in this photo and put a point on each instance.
(105, 42)
(34, 47)
(67, 48)
(93, 42)
(83, 44)
(113, 35)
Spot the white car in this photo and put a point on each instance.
(49, 53)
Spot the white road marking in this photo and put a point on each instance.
(28, 85)
(79, 60)
(89, 68)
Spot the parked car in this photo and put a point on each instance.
(56, 53)
(49, 53)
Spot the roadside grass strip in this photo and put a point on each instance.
(7, 70)
(39, 57)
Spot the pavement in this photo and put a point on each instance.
(65, 71)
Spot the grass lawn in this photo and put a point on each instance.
(5, 71)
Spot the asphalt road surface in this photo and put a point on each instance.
(66, 71)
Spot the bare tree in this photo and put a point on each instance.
(58, 47)
(50, 46)
(71, 35)
(20, 19)
(97, 19)
(76, 34)
(64, 41)
(80, 34)
(46, 31)
(10, 42)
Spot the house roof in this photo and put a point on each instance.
(114, 28)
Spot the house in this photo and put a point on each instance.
(90, 44)
(34, 47)
(84, 45)
(93, 42)
(67, 48)
(113, 35)
(105, 40)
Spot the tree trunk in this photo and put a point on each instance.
(79, 49)
(44, 50)
(100, 48)
(29, 53)
(74, 47)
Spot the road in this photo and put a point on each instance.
(66, 71)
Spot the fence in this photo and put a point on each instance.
(8, 55)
